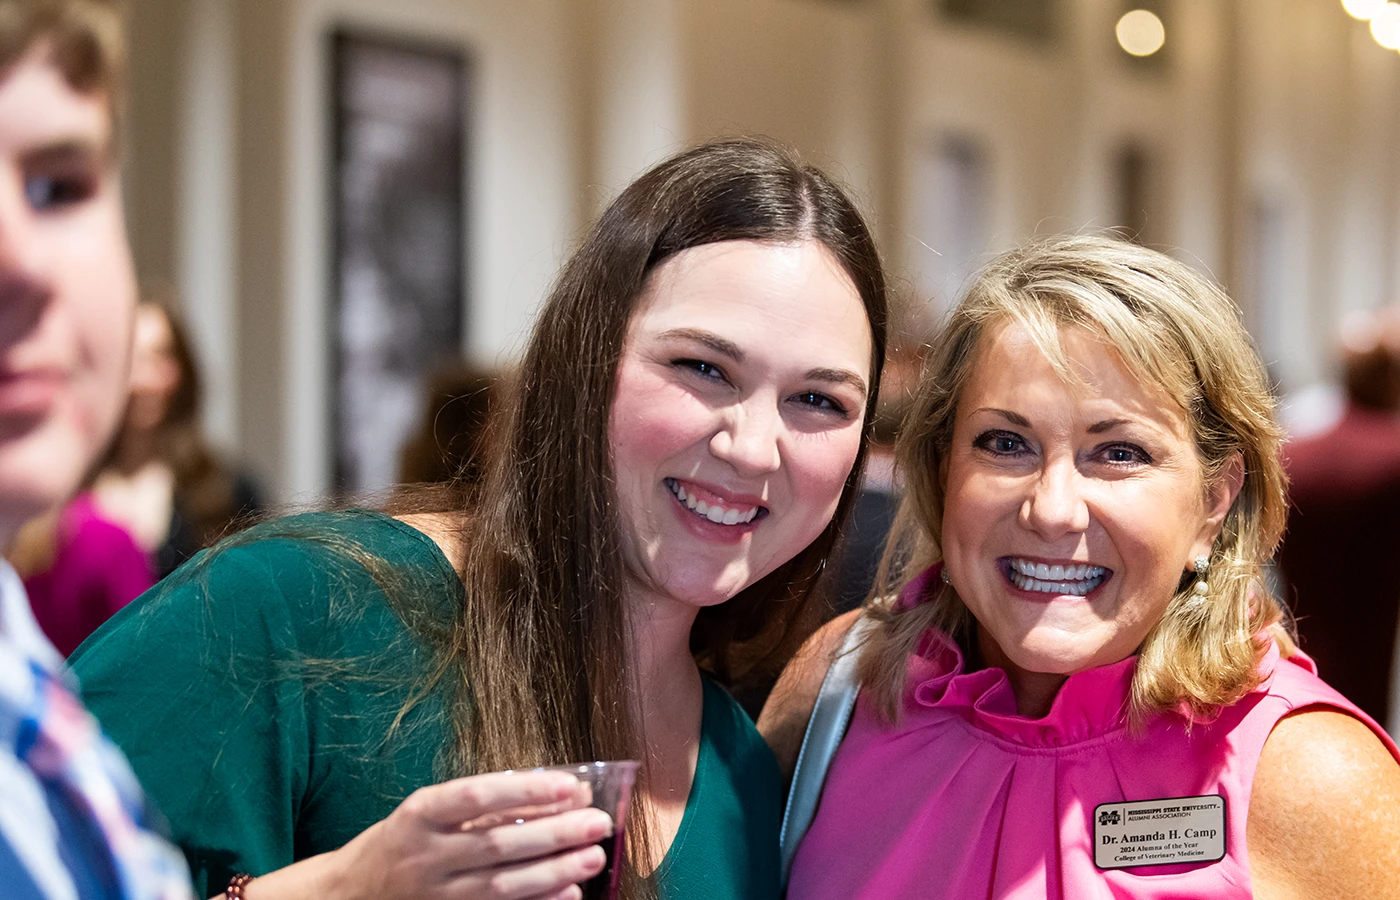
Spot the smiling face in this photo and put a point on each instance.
(67, 289)
(1071, 509)
(737, 416)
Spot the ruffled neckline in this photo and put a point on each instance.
(1090, 706)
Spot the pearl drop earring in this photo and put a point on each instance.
(1200, 591)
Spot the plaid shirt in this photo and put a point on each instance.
(74, 823)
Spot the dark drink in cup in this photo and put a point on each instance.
(603, 886)
(610, 789)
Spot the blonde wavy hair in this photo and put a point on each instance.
(1183, 335)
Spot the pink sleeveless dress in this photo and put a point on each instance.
(966, 799)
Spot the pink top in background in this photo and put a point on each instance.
(967, 799)
(97, 569)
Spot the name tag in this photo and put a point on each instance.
(1159, 832)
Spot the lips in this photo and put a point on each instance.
(30, 392)
(714, 507)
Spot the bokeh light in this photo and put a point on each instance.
(1141, 33)
(1362, 9)
(1385, 26)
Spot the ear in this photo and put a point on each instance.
(1220, 496)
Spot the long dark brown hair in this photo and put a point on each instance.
(544, 660)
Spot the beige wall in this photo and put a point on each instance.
(234, 150)
(1280, 106)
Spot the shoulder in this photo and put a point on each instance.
(784, 718)
(445, 530)
(305, 580)
(296, 551)
(1324, 814)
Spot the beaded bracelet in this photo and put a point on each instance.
(234, 891)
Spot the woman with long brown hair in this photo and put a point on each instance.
(688, 426)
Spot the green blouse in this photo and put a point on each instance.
(255, 693)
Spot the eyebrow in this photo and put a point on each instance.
(838, 376)
(1021, 421)
(707, 339)
(1012, 417)
(76, 151)
(732, 351)
(1107, 425)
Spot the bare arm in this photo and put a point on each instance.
(1324, 817)
(784, 718)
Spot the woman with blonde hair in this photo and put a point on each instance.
(1083, 688)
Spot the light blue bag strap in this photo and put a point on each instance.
(831, 715)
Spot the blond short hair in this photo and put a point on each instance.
(1182, 334)
(87, 41)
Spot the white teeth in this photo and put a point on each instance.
(1077, 580)
(715, 513)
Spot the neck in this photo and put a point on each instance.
(666, 672)
(1034, 691)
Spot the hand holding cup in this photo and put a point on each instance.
(508, 835)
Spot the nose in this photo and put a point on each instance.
(1056, 505)
(748, 440)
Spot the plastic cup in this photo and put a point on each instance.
(610, 787)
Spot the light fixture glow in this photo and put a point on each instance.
(1362, 9)
(1385, 26)
(1141, 33)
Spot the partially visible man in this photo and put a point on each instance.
(73, 821)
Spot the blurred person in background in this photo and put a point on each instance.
(161, 480)
(449, 447)
(858, 555)
(1343, 528)
(73, 820)
(78, 567)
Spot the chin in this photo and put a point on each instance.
(701, 590)
(37, 475)
(1056, 655)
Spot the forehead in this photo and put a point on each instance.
(38, 107)
(732, 286)
(1012, 370)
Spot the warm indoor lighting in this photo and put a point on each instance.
(1141, 33)
(1385, 26)
(1362, 9)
